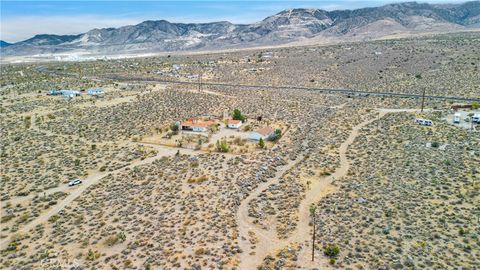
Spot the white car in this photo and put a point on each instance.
(476, 118)
(456, 118)
(74, 182)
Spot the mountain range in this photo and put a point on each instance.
(293, 25)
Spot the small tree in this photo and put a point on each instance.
(261, 143)
(276, 135)
(237, 115)
(174, 128)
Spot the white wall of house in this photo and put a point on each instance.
(234, 125)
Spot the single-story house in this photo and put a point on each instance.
(95, 91)
(198, 125)
(66, 93)
(70, 93)
(263, 133)
(54, 92)
(234, 123)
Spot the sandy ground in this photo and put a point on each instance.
(86, 183)
(267, 240)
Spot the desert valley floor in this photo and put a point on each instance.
(167, 185)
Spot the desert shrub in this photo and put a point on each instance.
(435, 144)
(331, 250)
(200, 179)
(261, 143)
(7, 218)
(12, 246)
(127, 263)
(92, 255)
(200, 251)
(194, 164)
(475, 105)
(174, 128)
(23, 218)
(222, 146)
(53, 218)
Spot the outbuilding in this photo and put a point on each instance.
(236, 124)
(263, 133)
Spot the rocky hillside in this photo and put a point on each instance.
(284, 27)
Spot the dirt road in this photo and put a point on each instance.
(268, 241)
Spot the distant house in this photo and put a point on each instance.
(234, 123)
(198, 125)
(70, 93)
(54, 92)
(263, 133)
(95, 91)
(65, 93)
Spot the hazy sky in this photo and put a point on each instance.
(23, 19)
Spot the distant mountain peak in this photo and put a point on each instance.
(4, 43)
(285, 26)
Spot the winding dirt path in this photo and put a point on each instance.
(268, 241)
(266, 238)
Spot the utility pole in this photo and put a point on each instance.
(418, 77)
(423, 99)
(199, 83)
(313, 209)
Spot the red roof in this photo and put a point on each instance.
(199, 123)
(234, 122)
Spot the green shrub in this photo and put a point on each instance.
(222, 146)
(261, 143)
(475, 105)
(53, 218)
(92, 255)
(331, 250)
